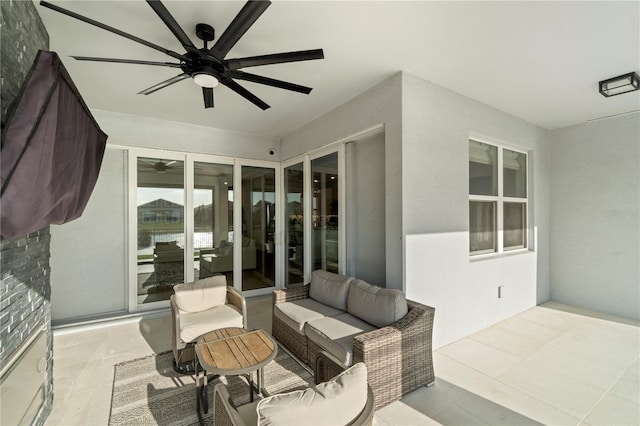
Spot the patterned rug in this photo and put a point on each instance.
(147, 391)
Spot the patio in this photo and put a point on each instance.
(552, 364)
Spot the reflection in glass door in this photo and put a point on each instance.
(325, 213)
(294, 226)
(213, 220)
(258, 227)
(160, 224)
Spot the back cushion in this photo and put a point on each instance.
(376, 305)
(202, 294)
(336, 402)
(330, 289)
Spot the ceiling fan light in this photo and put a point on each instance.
(205, 80)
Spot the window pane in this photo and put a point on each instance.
(160, 204)
(483, 169)
(515, 225)
(324, 172)
(293, 187)
(482, 227)
(212, 220)
(514, 174)
(258, 227)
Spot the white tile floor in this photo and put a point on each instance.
(551, 364)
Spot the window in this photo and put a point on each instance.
(497, 198)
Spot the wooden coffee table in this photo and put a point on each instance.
(232, 351)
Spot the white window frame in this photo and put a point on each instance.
(500, 200)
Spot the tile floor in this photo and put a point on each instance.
(551, 364)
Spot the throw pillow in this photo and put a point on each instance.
(336, 402)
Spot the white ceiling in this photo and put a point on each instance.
(540, 61)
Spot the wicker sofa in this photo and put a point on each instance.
(358, 322)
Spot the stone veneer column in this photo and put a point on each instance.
(25, 288)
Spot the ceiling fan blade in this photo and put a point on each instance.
(270, 82)
(126, 61)
(173, 25)
(111, 29)
(276, 58)
(207, 94)
(247, 16)
(244, 93)
(164, 84)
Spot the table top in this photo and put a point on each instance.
(235, 350)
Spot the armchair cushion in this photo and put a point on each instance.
(195, 324)
(338, 401)
(202, 294)
(376, 305)
(330, 289)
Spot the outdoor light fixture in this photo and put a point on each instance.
(619, 85)
(205, 80)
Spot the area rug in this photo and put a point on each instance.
(147, 391)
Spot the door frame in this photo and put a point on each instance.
(188, 183)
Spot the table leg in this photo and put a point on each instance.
(260, 381)
(201, 393)
(251, 387)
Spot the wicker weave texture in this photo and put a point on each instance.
(220, 415)
(291, 294)
(290, 339)
(398, 357)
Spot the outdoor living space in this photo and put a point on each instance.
(551, 364)
(474, 160)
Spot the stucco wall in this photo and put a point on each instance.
(379, 105)
(88, 254)
(595, 215)
(436, 126)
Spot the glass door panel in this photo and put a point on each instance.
(294, 226)
(160, 217)
(258, 227)
(213, 220)
(325, 212)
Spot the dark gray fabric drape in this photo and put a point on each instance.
(52, 149)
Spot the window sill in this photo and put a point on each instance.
(489, 256)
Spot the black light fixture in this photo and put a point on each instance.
(621, 84)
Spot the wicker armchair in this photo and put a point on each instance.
(398, 357)
(225, 413)
(188, 325)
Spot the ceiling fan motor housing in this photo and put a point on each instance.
(205, 32)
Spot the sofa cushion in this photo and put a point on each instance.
(336, 402)
(330, 289)
(376, 305)
(335, 334)
(295, 314)
(202, 294)
(194, 325)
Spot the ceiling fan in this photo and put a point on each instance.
(207, 66)
(156, 165)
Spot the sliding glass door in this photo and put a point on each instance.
(325, 213)
(160, 217)
(294, 224)
(258, 227)
(213, 220)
